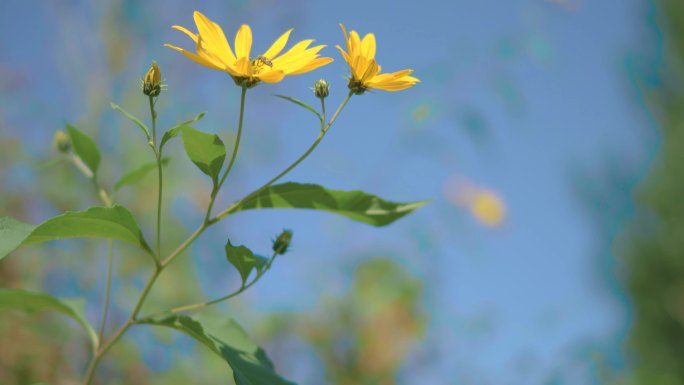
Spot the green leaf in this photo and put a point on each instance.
(357, 205)
(206, 151)
(172, 133)
(12, 234)
(19, 299)
(96, 222)
(244, 260)
(139, 173)
(302, 104)
(249, 363)
(85, 147)
(133, 119)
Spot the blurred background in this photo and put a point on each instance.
(547, 132)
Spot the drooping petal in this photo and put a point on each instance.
(196, 58)
(243, 42)
(185, 31)
(271, 76)
(344, 54)
(278, 46)
(312, 65)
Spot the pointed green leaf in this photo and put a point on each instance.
(85, 147)
(357, 205)
(133, 119)
(249, 363)
(96, 222)
(301, 104)
(33, 302)
(206, 151)
(12, 234)
(172, 133)
(139, 173)
(244, 260)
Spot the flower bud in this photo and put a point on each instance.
(321, 89)
(152, 83)
(283, 241)
(61, 142)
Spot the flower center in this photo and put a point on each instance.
(260, 63)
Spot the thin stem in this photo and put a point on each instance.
(108, 286)
(324, 130)
(197, 306)
(157, 154)
(184, 245)
(232, 156)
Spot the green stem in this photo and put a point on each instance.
(197, 306)
(205, 224)
(321, 134)
(232, 156)
(94, 362)
(157, 154)
(108, 286)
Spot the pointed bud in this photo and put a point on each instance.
(61, 142)
(281, 244)
(321, 89)
(152, 83)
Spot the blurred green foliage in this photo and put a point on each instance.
(655, 245)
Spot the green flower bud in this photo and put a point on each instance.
(283, 241)
(61, 142)
(321, 89)
(152, 82)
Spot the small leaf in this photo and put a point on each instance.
(172, 133)
(357, 205)
(85, 147)
(12, 234)
(244, 260)
(133, 119)
(32, 302)
(139, 173)
(96, 222)
(302, 104)
(249, 363)
(206, 151)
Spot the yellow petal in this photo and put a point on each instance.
(185, 31)
(278, 45)
(346, 37)
(369, 73)
(396, 85)
(214, 38)
(208, 55)
(272, 76)
(244, 66)
(368, 46)
(355, 44)
(243, 42)
(312, 65)
(344, 54)
(194, 57)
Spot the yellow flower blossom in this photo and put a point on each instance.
(213, 51)
(365, 71)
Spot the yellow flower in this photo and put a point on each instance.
(213, 51)
(365, 71)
